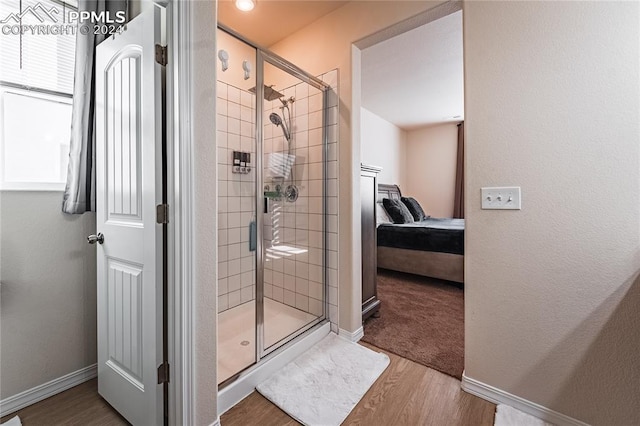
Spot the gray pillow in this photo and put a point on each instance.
(414, 208)
(397, 211)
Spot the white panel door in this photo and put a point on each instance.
(129, 186)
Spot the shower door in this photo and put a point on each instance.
(291, 292)
(237, 214)
(271, 204)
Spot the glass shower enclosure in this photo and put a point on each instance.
(272, 152)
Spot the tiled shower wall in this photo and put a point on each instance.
(294, 275)
(236, 197)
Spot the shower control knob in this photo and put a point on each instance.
(92, 239)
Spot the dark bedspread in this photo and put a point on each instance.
(433, 234)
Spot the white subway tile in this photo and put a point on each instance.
(233, 94)
(223, 303)
(302, 302)
(289, 298)
(223, 286)
(302, 286)
(278, 294)
(315, 307)
(289, 282)
(234, 299)
(246, 295)
(221, 90)
(233, 125)
(315, 290)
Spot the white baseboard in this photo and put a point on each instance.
(498, 396)
(31, 396)
(217, 422)
(354, 336)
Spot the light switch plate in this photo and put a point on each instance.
(501, 198)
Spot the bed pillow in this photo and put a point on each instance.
(414, 208)
(397, 211)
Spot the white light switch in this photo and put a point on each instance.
(501, 198)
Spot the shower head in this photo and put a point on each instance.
(275, 119)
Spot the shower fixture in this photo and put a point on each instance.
(275, 119)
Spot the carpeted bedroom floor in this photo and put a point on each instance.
(421, 319)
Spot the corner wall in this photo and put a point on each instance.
(48, 290)
(383, 144)
(552, 291)
(431, 168)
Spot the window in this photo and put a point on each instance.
(36, 86)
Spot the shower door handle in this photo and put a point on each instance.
(92, 239)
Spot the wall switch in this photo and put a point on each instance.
(501, 198)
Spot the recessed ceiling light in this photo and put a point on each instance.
(245, 5)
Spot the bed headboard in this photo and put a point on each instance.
(388, 191)
(385, 191)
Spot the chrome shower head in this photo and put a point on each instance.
(275, 119)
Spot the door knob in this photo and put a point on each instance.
(92, 239)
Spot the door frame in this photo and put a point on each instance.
(193, 386)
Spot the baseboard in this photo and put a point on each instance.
(354, 336)
(498, 396)
(217, 422)
(31, 396)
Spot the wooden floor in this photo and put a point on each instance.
(80, 405)
(406, 394)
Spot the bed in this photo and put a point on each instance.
(433, 247)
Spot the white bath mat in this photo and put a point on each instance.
(322, 385)
(509, 416)
(14, 421)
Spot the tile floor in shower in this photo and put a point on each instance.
(236, 333)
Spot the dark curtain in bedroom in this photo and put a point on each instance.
(458, 203)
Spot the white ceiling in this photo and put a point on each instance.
(273, 20)
(416, 78)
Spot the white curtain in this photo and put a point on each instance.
(79, 193)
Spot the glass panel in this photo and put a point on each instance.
(293, 185)
(236, 206)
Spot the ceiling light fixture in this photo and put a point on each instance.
(245, 5)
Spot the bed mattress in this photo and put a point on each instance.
(432, 234)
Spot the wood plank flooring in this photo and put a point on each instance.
(80, 405)
(407, 393)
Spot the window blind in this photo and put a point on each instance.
(37, 44)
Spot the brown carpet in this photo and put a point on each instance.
(421, 319)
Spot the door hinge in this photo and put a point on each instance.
(161, 55)
(162, 213)
(163, 373)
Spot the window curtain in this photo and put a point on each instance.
(79, 194)
(458, 203)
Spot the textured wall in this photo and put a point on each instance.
(48, 290)
(552, 291)
(384, 145)
(431, 168)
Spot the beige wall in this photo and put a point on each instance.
(552, 291)
(431, 168)
(205, 218)
(383, 145)
(47, 290)
(324, 45)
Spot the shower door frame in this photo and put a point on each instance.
(265, 56)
